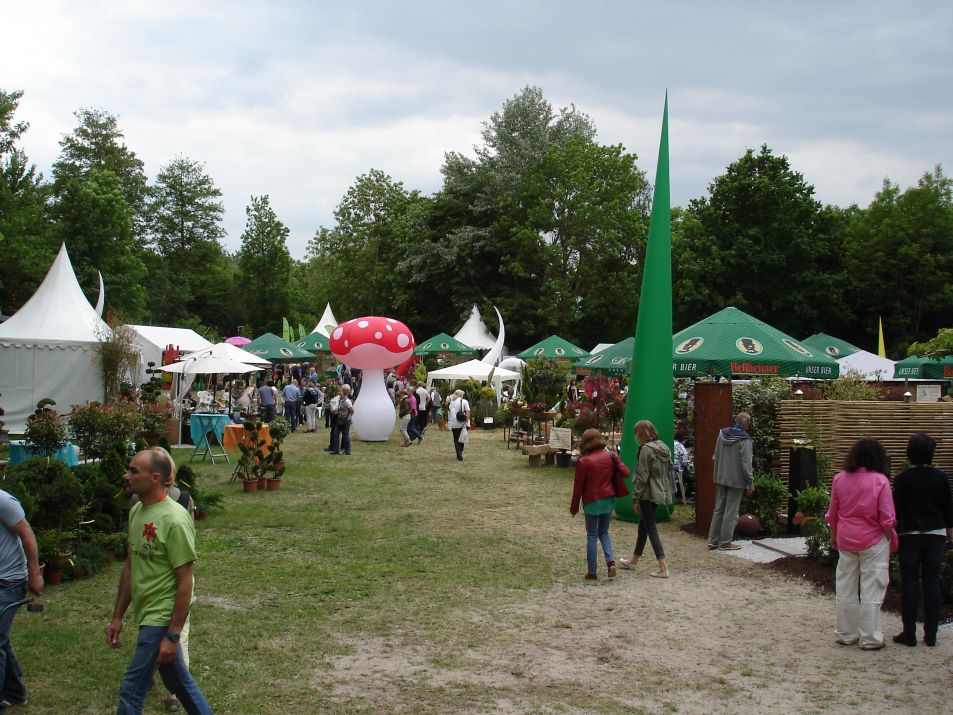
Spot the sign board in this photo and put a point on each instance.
(928, 393)
(560, 438)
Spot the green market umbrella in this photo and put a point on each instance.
(443, 343)
(556, 348)
(271, 347)
(731, 342)
(614, 359)
(314, 343)
(834, 347)
(923, 367)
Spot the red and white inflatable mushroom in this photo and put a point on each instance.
(372, 344)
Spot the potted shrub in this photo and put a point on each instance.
(55, 552)
(280, 429)
(152, 421)
(45, 430)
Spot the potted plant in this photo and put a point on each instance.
(45, 430)
(55, 552)
(153, 417)
(252, 465)
(280, 429)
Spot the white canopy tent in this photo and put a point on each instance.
(476, 370)
(327, 323)
(49, 348)
(151, 340)
(872, 367)
(475, 333)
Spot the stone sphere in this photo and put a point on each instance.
(748, 525)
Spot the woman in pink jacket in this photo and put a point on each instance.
(862, 518)
(594, 486)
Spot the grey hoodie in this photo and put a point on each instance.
(733, 455)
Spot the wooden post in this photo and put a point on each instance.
(712, 413)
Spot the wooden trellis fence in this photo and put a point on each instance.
(842, 423)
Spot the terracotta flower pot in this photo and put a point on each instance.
(274, 485)
(250, 485)
(53, 576)
(262, 483)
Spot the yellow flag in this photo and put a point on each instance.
(881, 350)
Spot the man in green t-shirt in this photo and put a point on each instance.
(157, 581)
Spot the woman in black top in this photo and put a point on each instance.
(921, 496)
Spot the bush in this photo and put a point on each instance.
(760, 399)
(51, 495)
(100, 429)
(769, 491)
(45, 432)
(107, 504)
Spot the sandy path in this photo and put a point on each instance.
(722, 635)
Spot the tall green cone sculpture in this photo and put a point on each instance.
(650, 381)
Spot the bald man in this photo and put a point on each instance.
(157, 581)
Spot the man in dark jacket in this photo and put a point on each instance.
(734, 476)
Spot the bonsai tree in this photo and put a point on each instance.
(45, 430)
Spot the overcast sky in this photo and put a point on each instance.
(297, 99)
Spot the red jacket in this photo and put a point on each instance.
(594, 477)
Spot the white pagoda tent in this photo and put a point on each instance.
(327, 323)
(151, 340)
(475, 333)
(49, 348)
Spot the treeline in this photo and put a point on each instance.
(542, 221)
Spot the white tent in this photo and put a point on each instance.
(600, 347)
(476, 370)
(475, 333)
(151, 340)
(327, 321)
(49, 348)
(872, 367)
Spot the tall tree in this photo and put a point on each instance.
(184, 222)
(93, 220)
(25, 240)
(761, 221)
(900, 259)
(96, 143)
(264, 267)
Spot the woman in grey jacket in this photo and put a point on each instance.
(650, 487)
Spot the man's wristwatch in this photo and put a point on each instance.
(174, 637)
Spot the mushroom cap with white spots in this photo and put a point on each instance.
(372, 342)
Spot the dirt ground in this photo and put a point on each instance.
(721, 635)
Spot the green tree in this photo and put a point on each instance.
(25, 240)
(264, 268)
(761, 222)
(93, 220)
(900, 259)
(189, 273)
(96, 143)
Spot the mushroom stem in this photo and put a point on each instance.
(374, 413)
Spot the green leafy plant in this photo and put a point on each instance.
(812, 503)
(544, 380)
(760, 399)
(116, 355)
(45, 430)
(51, 495)
(258, 460)
(55, 547)
(851, 385)
(769, 492)
(100, 429)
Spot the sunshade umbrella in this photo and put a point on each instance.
(835, 347)
(443, 343)
(227, 350)
(238, 340)
(314, 343)
(731, 342)
(556, 348)
(208, 365)
(271, 347)
(615, 358)
(923, 367)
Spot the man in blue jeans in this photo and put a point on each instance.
(157, 581)
(19, 571)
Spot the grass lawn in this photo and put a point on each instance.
(390, 548)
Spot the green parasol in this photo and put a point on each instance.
(556, 348)
(614, 359)
(443, 343)
(731, 342)
(834, 347)
(314, 343)
(923, 367)
(271, 347)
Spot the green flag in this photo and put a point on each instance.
(650, 382)
(286, 334)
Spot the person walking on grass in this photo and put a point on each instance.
(19, 573)
(921, 497)
(734, 476)
(458, 419)
(156, 581)
(594, 485)
(862, 517)
(650, 488)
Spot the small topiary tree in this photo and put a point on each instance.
(769, 492)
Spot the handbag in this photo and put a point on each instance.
(618, 481)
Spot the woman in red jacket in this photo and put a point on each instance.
(594, 485)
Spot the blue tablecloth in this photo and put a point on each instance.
(68, 453)
(201, 423)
